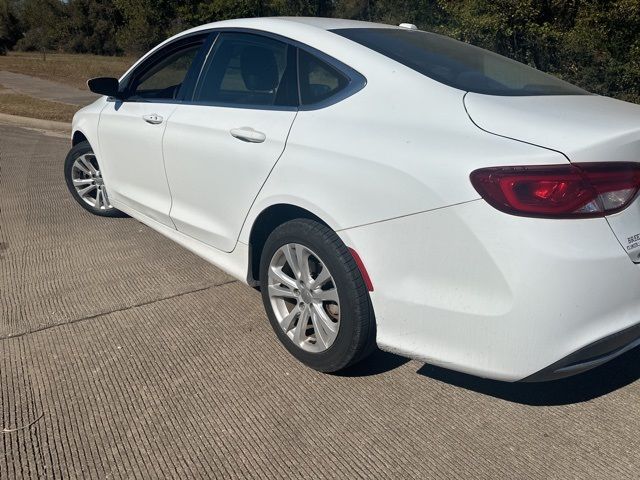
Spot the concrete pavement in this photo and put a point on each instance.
(124, 356)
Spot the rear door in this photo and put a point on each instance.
(130, 131)
(220, 149)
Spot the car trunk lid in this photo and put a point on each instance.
(585, 128)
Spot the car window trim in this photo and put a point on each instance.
(193, 75)
(356, 81)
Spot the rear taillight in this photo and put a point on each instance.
(559, 191)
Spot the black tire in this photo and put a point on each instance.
(356, 335)
(83, 148)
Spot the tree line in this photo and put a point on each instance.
(592, 43)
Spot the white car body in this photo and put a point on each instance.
(456, 283)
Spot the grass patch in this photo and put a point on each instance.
(70, 69)
(26, 106)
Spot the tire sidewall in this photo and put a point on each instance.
(350, 290)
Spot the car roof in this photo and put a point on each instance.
(314, 22)
(333, 23)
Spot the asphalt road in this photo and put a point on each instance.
(124, 356)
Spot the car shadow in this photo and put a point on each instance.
(592, 384)
(378, 362)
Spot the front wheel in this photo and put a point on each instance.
(84, 180)
(315, 297)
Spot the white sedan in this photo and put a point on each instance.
(382, 186)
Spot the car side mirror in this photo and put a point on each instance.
(105, 86)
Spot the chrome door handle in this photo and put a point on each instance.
(153, 119)
(248, 134)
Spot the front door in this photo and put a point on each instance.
(220, 149)
(130, 131)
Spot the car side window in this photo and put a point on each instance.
(162, 80)
(251, 70)
(318, 80)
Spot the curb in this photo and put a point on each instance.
(35, 123)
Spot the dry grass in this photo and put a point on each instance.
(26, 106)
(70, 69)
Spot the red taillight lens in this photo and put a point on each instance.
(559, 191)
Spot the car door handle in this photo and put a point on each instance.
(153, 119)
(248, 134)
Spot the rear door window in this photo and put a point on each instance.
(249, 70)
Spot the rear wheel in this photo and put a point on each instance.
(315, 297)
(84, 180)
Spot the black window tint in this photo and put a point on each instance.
(459, 64)
(318, 80)
(163, 79)
(247, 69)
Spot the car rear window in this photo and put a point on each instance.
(459, 64)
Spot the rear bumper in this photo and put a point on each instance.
(591, 356)
(509, 298)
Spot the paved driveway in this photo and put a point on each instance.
(46, 89)
(124, 356)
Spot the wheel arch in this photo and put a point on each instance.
(265, 222)
(78, 137)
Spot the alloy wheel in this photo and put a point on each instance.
(88, 183)
(304, 297)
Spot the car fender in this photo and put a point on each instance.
(86, 121)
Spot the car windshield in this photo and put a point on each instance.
(459, 64)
